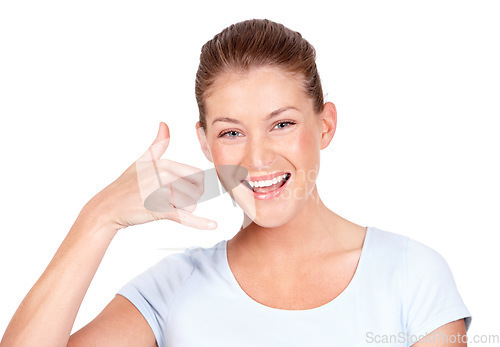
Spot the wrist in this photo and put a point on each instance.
(94, 218)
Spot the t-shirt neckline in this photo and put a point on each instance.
(335, 301)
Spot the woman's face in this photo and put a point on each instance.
(263, 123)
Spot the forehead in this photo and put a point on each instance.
(261, 89)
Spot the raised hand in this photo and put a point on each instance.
(153, 189)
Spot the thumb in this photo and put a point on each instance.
(159, 145)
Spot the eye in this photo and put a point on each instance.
(230, 133)
(284, 124)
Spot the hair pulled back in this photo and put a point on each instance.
(255, 43)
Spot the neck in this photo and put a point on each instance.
(314, 231)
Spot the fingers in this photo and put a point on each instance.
(181, 185)
(187, 172)
(183, 193)
(165, 199)
(182, 201)
(166, 171)
(164, 205)
(161, 200)
(170, 189)
(193, 221)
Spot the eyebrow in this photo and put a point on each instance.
(268, 117)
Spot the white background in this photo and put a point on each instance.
(83, 86)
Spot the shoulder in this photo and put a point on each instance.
(427, 268)
(158, 284)
(405, 249)
(154, 290)
(387, 240)
(177, 268)
(417, 260)
(174, 268)
(422, 259)
(161, 282)
(431, 297)
(386, 246)
(429, 294)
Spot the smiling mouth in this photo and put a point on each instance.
(266, 186)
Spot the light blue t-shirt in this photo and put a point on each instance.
(401, 291)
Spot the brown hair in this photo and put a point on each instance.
(254, 43)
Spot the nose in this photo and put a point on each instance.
(260, 153)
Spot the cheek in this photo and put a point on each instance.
(223, 155)
(304, 154)
(304, 148)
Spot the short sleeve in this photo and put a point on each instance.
(153, 291)
(432, 298)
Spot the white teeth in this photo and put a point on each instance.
(267, 183)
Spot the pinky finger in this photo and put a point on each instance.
(188, 219)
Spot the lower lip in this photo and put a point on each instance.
(269, 195)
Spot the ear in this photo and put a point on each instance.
(329, 123)
(202, 138)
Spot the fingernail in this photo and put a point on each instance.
(212, 225)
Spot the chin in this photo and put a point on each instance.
(270, 218)
(270, 223)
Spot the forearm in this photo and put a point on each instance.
(47, 313)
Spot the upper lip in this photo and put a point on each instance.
(265, 177)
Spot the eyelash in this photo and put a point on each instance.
(229, 131)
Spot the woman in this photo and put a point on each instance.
(296, 274)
